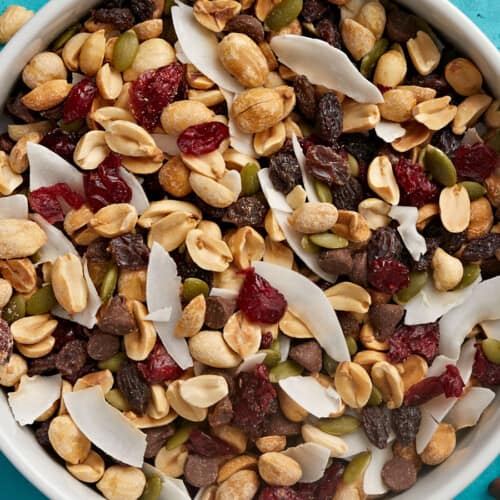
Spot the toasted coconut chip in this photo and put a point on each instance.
(491, 328)
(312, 458)
(87, 317)
(179, 54)
(457, 323)
(34, 396)
(310, 303)
(105, 426)
(471, 137)
(161, 315)
(357, 442)
(249, 363)
(14, 207)
(372, 480)
(225, 293)
(308, 393)
(435, 410)
(200, 47)
(470, 407)
(172, 489)
(389, 131)
(306, 177)
(294, 240)
(430, 304)
(324, 65)
(275, 199)
(139, 199)
(284, 347)
(162, 291)
(167, 143)
(413, 240)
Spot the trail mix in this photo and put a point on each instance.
(250, 249)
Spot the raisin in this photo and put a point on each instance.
(247, 211)
(376, 421)
(159, 366)
(156, 437)
(417, 339)
(72, 358)
(487, 372)
(284, 171)
(329, 118)
(452, 242)
(129, 251)
(446, 141)
(102, 346)
(416, 188)
(425, 261)
(475, 162)
(65, 332)
(249, 25)
(97, 251)
(453, 385)
(306, 97)
(43, 366)
(116, 318)
(55, 114)
(313, 10)
(203, 138)
(405, 423)
(122, 19)
(205, 445)
(433, 81)
(133, 386)
(18, 110)
(481, 248)
(61, 143)
(385, 243)
(142, 9)
(388, 275)
(328, 165)
(329, 33)
(6, 342)
(401, 25)
(278, 493)
(6, 143)
(45, 201)
(363, 148)
(42, 434)
(79, 101)
(347, 196)
(399, 474)
(186, 268)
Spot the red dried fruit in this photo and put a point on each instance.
(259, 301)
(266, 340)
(416, 188)
(417, 339)
(475, 162)
(453, 385)
(79, 101)
(203, 138)
(388, 275)
(209, 446)
(484, 370)
(61, 143)
(45, 201)
(279, 493)
(159, 366)
(152, 91)
(326, 486)
(105, 186)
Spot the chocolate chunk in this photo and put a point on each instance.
(97, 251)
(117, 319)
(72, 358)
(102, 346)
(399, 474)
(221, 413)
(156, 437)
(308, 354)
(359, 272)
(337, 261)
(42, 366)
(384, 319)
(218, 311)
(201, 471)
(278, 425)
(350, 325)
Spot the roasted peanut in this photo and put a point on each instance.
(481, 218)
(68, 283)
(243, 485)
(336, 445)
(358, 40)
(208, 347)
(387, 379)
(242, 336)
(90, 470)
(441, 445)
(455, 208)
(353, 384)
(423, 53)
(463, 76)
(204, 391)
(397, 105)
(140, 342)
(121, 482)
(391, 69)
(67, 440)
(448, 270)
(348, 296)
(279, 470)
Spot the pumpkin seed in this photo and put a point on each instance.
(352, 346)
(471, 272)
(494, 142)
(116, 398)
(152, 491)
(249, 179)
(308, 245)
(168, 7)
(440, 166)
(339, 426)
(15, 309)
(113, 363)
(474, 189)
(61, 40)
(283, 370)
(108, 284)
(169, 33)
(329, 364)
(356, 467)
(35, 257)
(323, 192)
(369, 62)
(275, 346)
(181, 435)
(353, 165)
(41, 302)
(125, 50)
(375, 397)
(272, 357)
(418, 279)
(491, 349)
(328, 240)
(283, 14)
(75, 126)
(192, 287)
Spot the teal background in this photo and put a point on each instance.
(486, 14)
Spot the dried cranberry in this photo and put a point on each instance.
(330, 118)
(328, 165)
(279, 493)
(423, 391)
(475, 162)
(487, 372)
(159, 366)
(61, 143)
(266, 340)
(417, 339)
(416, 188)
(325, 487)
(453, 385)
(65, 332)
(154, 90)
(79, 101)
(209, 446)
(105, 185)
(203, 138)
(388, 275)
(406, 422)
(45, 201)
(259, 301)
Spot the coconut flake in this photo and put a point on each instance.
(430, 304)
(224, 293)
(471, 137)
(161, 315)
(491, 329)
(312, 396)
(307, 179)
(457, 323)
(76, 78)
(105, 426)
(200, 47)
(14, 207)
(308, 301)
(172, 489)
(372, 480)
(179, 54)
(167, 143)
(439, 365)
(34, 396)
(250, 362)
(324, 65)
(275, 199)
(312, 458)
(162, 290)
(413, 240)
(284, 347)
(139, 199)
(470, 407)
(356, 442)
(389, 131)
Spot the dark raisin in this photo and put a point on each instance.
(305, 95)
(249, 25)
(6, 342)
(432, 81)
(401, 25)
(42, 366)
(18, 110)
(329, 33)
(208, 210)
(116, 318)
(481, 248)
(133, 386)
(6, 143)
(156, 437)
(102, 346)
(247, 211)
(129, 251)
(42, 434)
(363, 147)
(385, 243)
(97, 251)
(55, 114)
(376, 421)
(122, 19)
(65, 332)
(405, 423)
(328, 165)
(142, 9)
(330, 118)
(348, 196)
(284, 171)
(446, 141)
(72, 358)
(313, 10)
(425, 261)
(186, 268)
(452, 242)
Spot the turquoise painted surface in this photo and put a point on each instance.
(486, 14)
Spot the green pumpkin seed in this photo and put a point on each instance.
(352, 346)
(369, 62)
(375, 397)
(418, 279)
(471, 272)
(356, 467)
(275, 346)
(41, 302)
(116, 398)
(339, 426)
(491, 349)
(36, 257)
(308, 245)
(152, 491)
(421, 157)
(169, 33)
(323, 192)
(192, 287)
(168, 7)
(353, 165)
(494, 142)
(108, 284)
(283, 370)
(125, 50)
(474, 189)
(181, 435)
(75, 126)
(440, 166)
(329, 364)
(113, 363)
(272, 357)
(328, 240)
(283, 14)
(249, 179)
(15, 309)
(61, 40)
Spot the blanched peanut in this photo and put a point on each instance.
(214, 15)
(208, 347)
(358, 40)
(353, 384)
(68, 283)
(12, 20)
(448, 270)
(391, 69)
(91, 150)
(180, 115)
(372, 16)
(348, 296)
(241, 335)
(336, 445)
(359, 117)
(234, 436)
(192, 318)
(18, 157)
(13, 370)
(441, 445)
(412, 370)
(90, 470)
(313, 218)
(436, 113)
(204, 391)
(397, 105)
(454, 206)
(121, 482)
(5, 292)
(33, 329)
(290, 408)
(352, 226)
(246, 246)
(20, 273)
(234, 465)
(102, 378)
(207, 252)
(9, 180)
(182, 407)
(469, 111)
(266, 444)
(42, 68)
(279, 470)
(67, 440)
(382, 181)
(375, 212)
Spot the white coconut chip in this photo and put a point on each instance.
(413, 240)
(372, 480)
(430, 304)
(438, 366)
(324, 65)
(14, 207)
(471, 137)
(389, 131)
(491, 328)
(312, 458)
(457, 323)
(161, 315)
(34, 396)
(167, 143)
(179, 53)
(172, 489)
(200, 47)
(312, 396)
(285, 343)
(250, 362)
(275, 199)
(356, 442)
(162, 290)
(105, 426)
(307, 179)
(139, 199)
(310, 303)
(470, 407)
(224, 293)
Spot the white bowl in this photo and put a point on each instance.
(476, 448)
